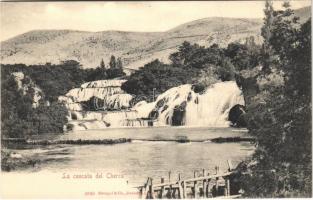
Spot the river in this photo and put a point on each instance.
(136, 161)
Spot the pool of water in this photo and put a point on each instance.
(139, 159)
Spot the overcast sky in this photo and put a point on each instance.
(17, 18)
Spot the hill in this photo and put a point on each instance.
(135, 48)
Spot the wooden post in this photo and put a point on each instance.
(169, 176)
(145, 189)
(162, 189)
(170, 186)
(216, 185)
(208, 186)
(174, 193)
(151, 189)
(227, 186)
(180, 188)
(216, 169)
(230, 165)
(195, 186)
(204, 185)
(185, 189)
(140, 192)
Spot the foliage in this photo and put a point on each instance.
(243, 56)
(191, 64)
(112, 63)
(266, 32)
(115, 72)
(156, 75)
(102, 65)
(119, 63)
(19, 118)
(279, 116)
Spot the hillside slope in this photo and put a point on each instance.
(135, 48)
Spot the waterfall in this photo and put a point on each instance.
(84, 94)
(104, 119)
(109, 91)
(212, 107)
(182, 106)
(176, 106)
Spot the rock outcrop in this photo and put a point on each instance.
(27, 86)
(237, 116)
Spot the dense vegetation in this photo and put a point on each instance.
(279, 110)
(195, 65)
(19, 118)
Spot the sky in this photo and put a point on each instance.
(20, 17)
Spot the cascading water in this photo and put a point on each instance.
(212, 108)
(110, 102)
(177, 106)
(109, 91)
(182, 106)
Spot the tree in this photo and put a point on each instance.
(112, 62)
(103, 71)
(243, 56)
(102, 65)
(19, 119)
(280, 115)
(266, 32)
(119, 63)
(156, 75)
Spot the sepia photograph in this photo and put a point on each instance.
(156, 99)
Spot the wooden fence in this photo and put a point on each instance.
(202, 185)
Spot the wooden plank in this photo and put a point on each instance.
(165, 184)
(228, 197)
(195, 179)
(208, 177)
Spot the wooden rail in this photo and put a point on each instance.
(200, 186)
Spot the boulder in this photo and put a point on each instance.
(178, 118)
(237, 116)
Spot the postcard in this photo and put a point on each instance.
(156, 99)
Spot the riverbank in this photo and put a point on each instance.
(179, 139)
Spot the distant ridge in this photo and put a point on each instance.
(135, 48)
